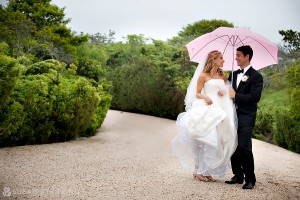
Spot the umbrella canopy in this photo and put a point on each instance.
(227, 40)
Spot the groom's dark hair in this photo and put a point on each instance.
(246, 50)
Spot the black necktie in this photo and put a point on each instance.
(240, 71)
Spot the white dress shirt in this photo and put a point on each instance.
(240, 75)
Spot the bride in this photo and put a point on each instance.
(207, 134)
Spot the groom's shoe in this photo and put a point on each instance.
(248, 185)
(235, 180)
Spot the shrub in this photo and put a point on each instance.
(43, 67)
(25, 60)
(11, 119)
(100, 113)
(4, 48)
(75, 104)
(51, 104)
(286, 132)
(32, 93)
(263, 129)
(9, 73)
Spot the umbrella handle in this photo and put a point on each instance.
(232, 78)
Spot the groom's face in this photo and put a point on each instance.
(241, 59)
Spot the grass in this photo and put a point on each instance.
(275, 97)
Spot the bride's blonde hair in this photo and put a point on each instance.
(209, 64)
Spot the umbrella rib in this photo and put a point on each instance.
(241, 41)
(218, 37)
(221, 37)
(229, 41)
(234, 43)
(226, 43)
(263, 47)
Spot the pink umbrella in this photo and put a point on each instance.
(227, 40)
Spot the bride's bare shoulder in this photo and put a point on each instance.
(204, 76)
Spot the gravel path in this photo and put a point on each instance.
(131, 158)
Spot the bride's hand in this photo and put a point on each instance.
(221, 93)
(208, 100)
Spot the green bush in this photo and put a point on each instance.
(35, 94)
(25, 60)
(295, 102)
(135, 87)
(101, 111)
(4, 48)
(146, 87)
(11, 119)
(9, 73)
(286, 132)
(44, 67)
(75, 104)
(278, 125)
(91, 59)
(263, 129)
(51, 104)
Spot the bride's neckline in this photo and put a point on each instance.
(214, 79)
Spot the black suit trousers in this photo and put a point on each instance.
(242, 161)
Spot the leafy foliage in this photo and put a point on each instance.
(50, 103)
(9, 72)
(198, 28)
(263, 129)
(91, 59)
(143, 77)
(38, 28)
(286, 133)
(291, 39)
(280, 124)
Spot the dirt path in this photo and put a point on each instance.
(131, 158)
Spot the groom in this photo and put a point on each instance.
(247, 86)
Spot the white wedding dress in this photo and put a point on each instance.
(207, 134)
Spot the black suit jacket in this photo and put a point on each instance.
(247, 96)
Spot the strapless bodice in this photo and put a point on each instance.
(212, 86)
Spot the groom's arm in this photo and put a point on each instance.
(254, 94)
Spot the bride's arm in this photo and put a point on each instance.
(200, 84)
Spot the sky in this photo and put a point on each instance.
(163, 19)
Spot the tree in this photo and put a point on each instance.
(202, 27)
(39, 28)
(293, 81)
(91, 59)
(192, 31)
(99, 38)
(40, 12)
(291, 39)
(16, 31)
